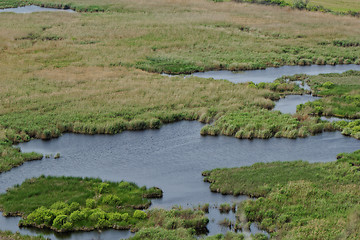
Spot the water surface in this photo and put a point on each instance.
(171, 158)
(270, 74)
(33, 8)
(288, 104)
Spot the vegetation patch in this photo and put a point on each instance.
(253, 123)
(298, 200)
(77, 204)
(340, 92)
(12, 157)
(7, 235)
(168, 65)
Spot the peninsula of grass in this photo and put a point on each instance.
(298, 200)
(77, 204)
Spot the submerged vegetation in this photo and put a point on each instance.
(298, 200)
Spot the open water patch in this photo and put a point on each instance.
(289, 103)
(171, 158)
(34, 8)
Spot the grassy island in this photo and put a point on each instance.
(75, 204)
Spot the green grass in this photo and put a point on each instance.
(69, 203)
(340, 92)
(176, 218)
(12, 157)
(298, 200)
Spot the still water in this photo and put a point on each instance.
(33, 8)
(171, 158)
(270, 74)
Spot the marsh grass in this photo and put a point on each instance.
(340, 94)
(297, 197)
(253, 123)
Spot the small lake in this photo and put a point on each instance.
(33, 8)
(270, 74)
(171, 158)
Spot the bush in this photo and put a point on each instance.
(59, 221)
(90, 203)
(139, 214)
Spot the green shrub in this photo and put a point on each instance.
(139, 214)
(90, 203)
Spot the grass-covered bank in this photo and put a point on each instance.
(7, 235)
(77, 204)
(298, 200)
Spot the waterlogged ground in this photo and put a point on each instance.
(171, 158)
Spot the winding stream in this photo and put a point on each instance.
(171, 158)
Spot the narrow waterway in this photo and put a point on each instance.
(270, 74)
(33, 8)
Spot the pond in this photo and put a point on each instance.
(33, 8)
(171, 158)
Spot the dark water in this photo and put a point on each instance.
(270, 74)
(33, 8)
(288, 104)
(171, 158)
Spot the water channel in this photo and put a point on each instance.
(33, 8)
(171, 158)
